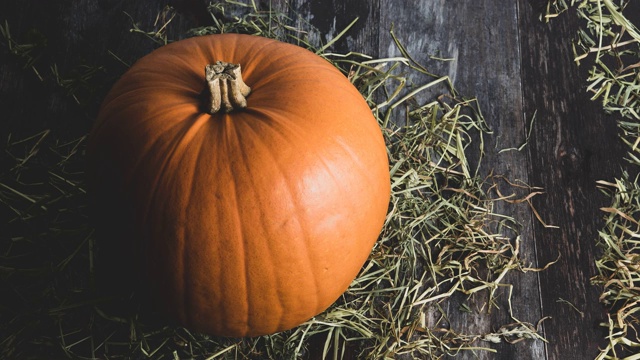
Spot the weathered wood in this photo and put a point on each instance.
(74, 36)
(573, 145)
(482, 38)
(329, 18)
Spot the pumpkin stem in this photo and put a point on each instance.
(227, 90)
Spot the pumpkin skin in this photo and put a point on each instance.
(243, 223)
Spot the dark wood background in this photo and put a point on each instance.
(515, 64)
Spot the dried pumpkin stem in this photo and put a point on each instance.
(227, 90)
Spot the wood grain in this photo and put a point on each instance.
(573, 145)
(472, 34)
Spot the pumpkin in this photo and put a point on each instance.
(245, 178)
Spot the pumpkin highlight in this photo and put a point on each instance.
(243, 218)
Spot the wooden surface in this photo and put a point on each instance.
(515, 65)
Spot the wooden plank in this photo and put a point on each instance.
(483, 39)
(573, 144)
(329, 18)
(71, 35)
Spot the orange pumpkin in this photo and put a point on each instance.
(249, 220)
